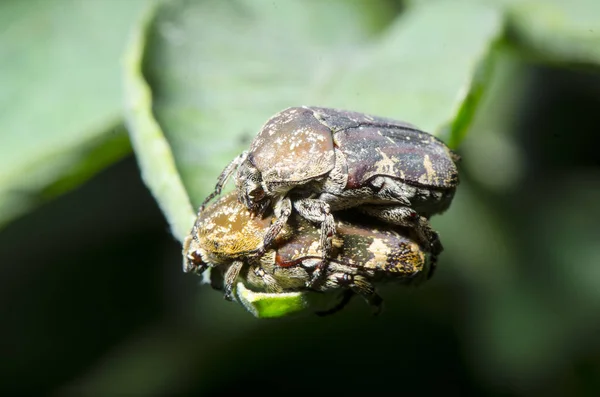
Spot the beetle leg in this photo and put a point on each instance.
(432, 266)
(224, 177)
(230, 276)
(364, 288)
(346, 297)
(319, 212)
(396, 215)
(388, 189)
(266, 280)
(284, 210)
(327, 232)
(425, 201)
(216, 279)
(361, 286)
(407, 217)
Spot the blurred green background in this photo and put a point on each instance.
(93, 298)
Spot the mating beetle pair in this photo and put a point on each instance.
(363, 253)
(318, 161)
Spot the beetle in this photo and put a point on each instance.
(363, 253)
(319, 160)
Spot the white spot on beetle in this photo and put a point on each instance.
(386, 164)
(314, 249)
(430, 174)
(380, 251)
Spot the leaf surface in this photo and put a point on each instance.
(60, 102)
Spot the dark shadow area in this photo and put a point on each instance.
(77, 276)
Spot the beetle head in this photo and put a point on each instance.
(194, 263)
(251, 189)
(192, 255)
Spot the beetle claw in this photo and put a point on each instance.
(316, 276)
(228, 296)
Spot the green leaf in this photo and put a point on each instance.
(559, 30)
(60, 102)
(153, 151)
(217, 70)
(267, 305)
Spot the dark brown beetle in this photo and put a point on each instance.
(363, 254)
(322, 160)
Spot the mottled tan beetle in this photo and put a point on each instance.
(318, 161)
(363, 254)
